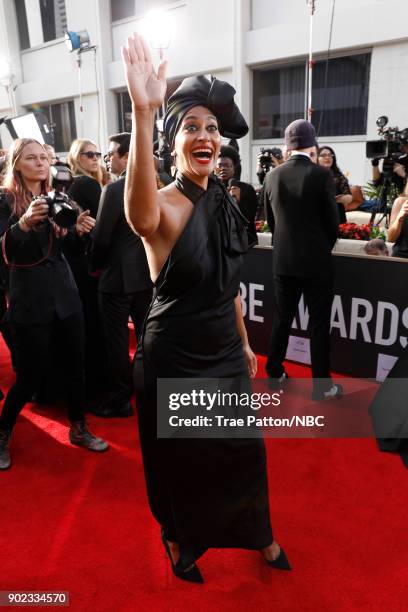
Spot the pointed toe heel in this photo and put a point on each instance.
(191, 575)
(281, 562)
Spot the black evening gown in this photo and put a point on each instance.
(203, 492)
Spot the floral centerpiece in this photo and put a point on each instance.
(262, 227)
(352, 231)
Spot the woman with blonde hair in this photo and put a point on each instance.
(43, 297)
(85, 162)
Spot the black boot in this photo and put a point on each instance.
(5, 459)
(80, 435)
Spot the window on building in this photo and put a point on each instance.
(339, 97)
(40, 21)
(61, 118)
(124, 112)
(22, 24)
(279, 98)
(122, 9)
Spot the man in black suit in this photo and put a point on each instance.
(302, 213)
(125, 288)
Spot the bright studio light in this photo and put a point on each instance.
(5, 68)
(77, 41)
(158, 27)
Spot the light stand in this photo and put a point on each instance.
(309, 108)
(79, 42)
(79, 64)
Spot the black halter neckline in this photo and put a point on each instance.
(187, 187)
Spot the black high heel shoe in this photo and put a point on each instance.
(281, 562)
(191, 575)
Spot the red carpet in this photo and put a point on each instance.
(79, 522)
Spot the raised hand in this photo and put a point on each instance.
(400, 170)
(146, 87)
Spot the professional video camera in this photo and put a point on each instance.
(389, 147)
(265, 157)
(389, 150)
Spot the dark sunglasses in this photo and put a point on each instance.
(92, 154)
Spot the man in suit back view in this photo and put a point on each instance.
(302, 213)
(125, 288)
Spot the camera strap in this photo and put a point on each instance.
(32, 265)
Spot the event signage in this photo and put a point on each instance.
(369, 319)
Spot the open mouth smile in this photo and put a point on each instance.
(203, 155)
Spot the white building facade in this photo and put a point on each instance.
(360, 48)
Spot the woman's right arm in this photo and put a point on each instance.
(398, 214)
(14, 233)
(36, 212)
(146, 90)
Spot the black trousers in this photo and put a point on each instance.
(5, 326)
(32, 344)
(318, 296)
(115, 310)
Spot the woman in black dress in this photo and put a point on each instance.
(327, 157)
(204, 493)
(43, 297)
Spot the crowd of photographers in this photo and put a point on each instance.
(74, 273)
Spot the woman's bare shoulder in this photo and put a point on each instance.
(168, 194)
(400, 200)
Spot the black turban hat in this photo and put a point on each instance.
(216, 95)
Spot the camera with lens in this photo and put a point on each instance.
(265, 157)
(389, 147)
(60, 209)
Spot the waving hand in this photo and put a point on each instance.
(146, 87)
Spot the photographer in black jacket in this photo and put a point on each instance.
(43, 295)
